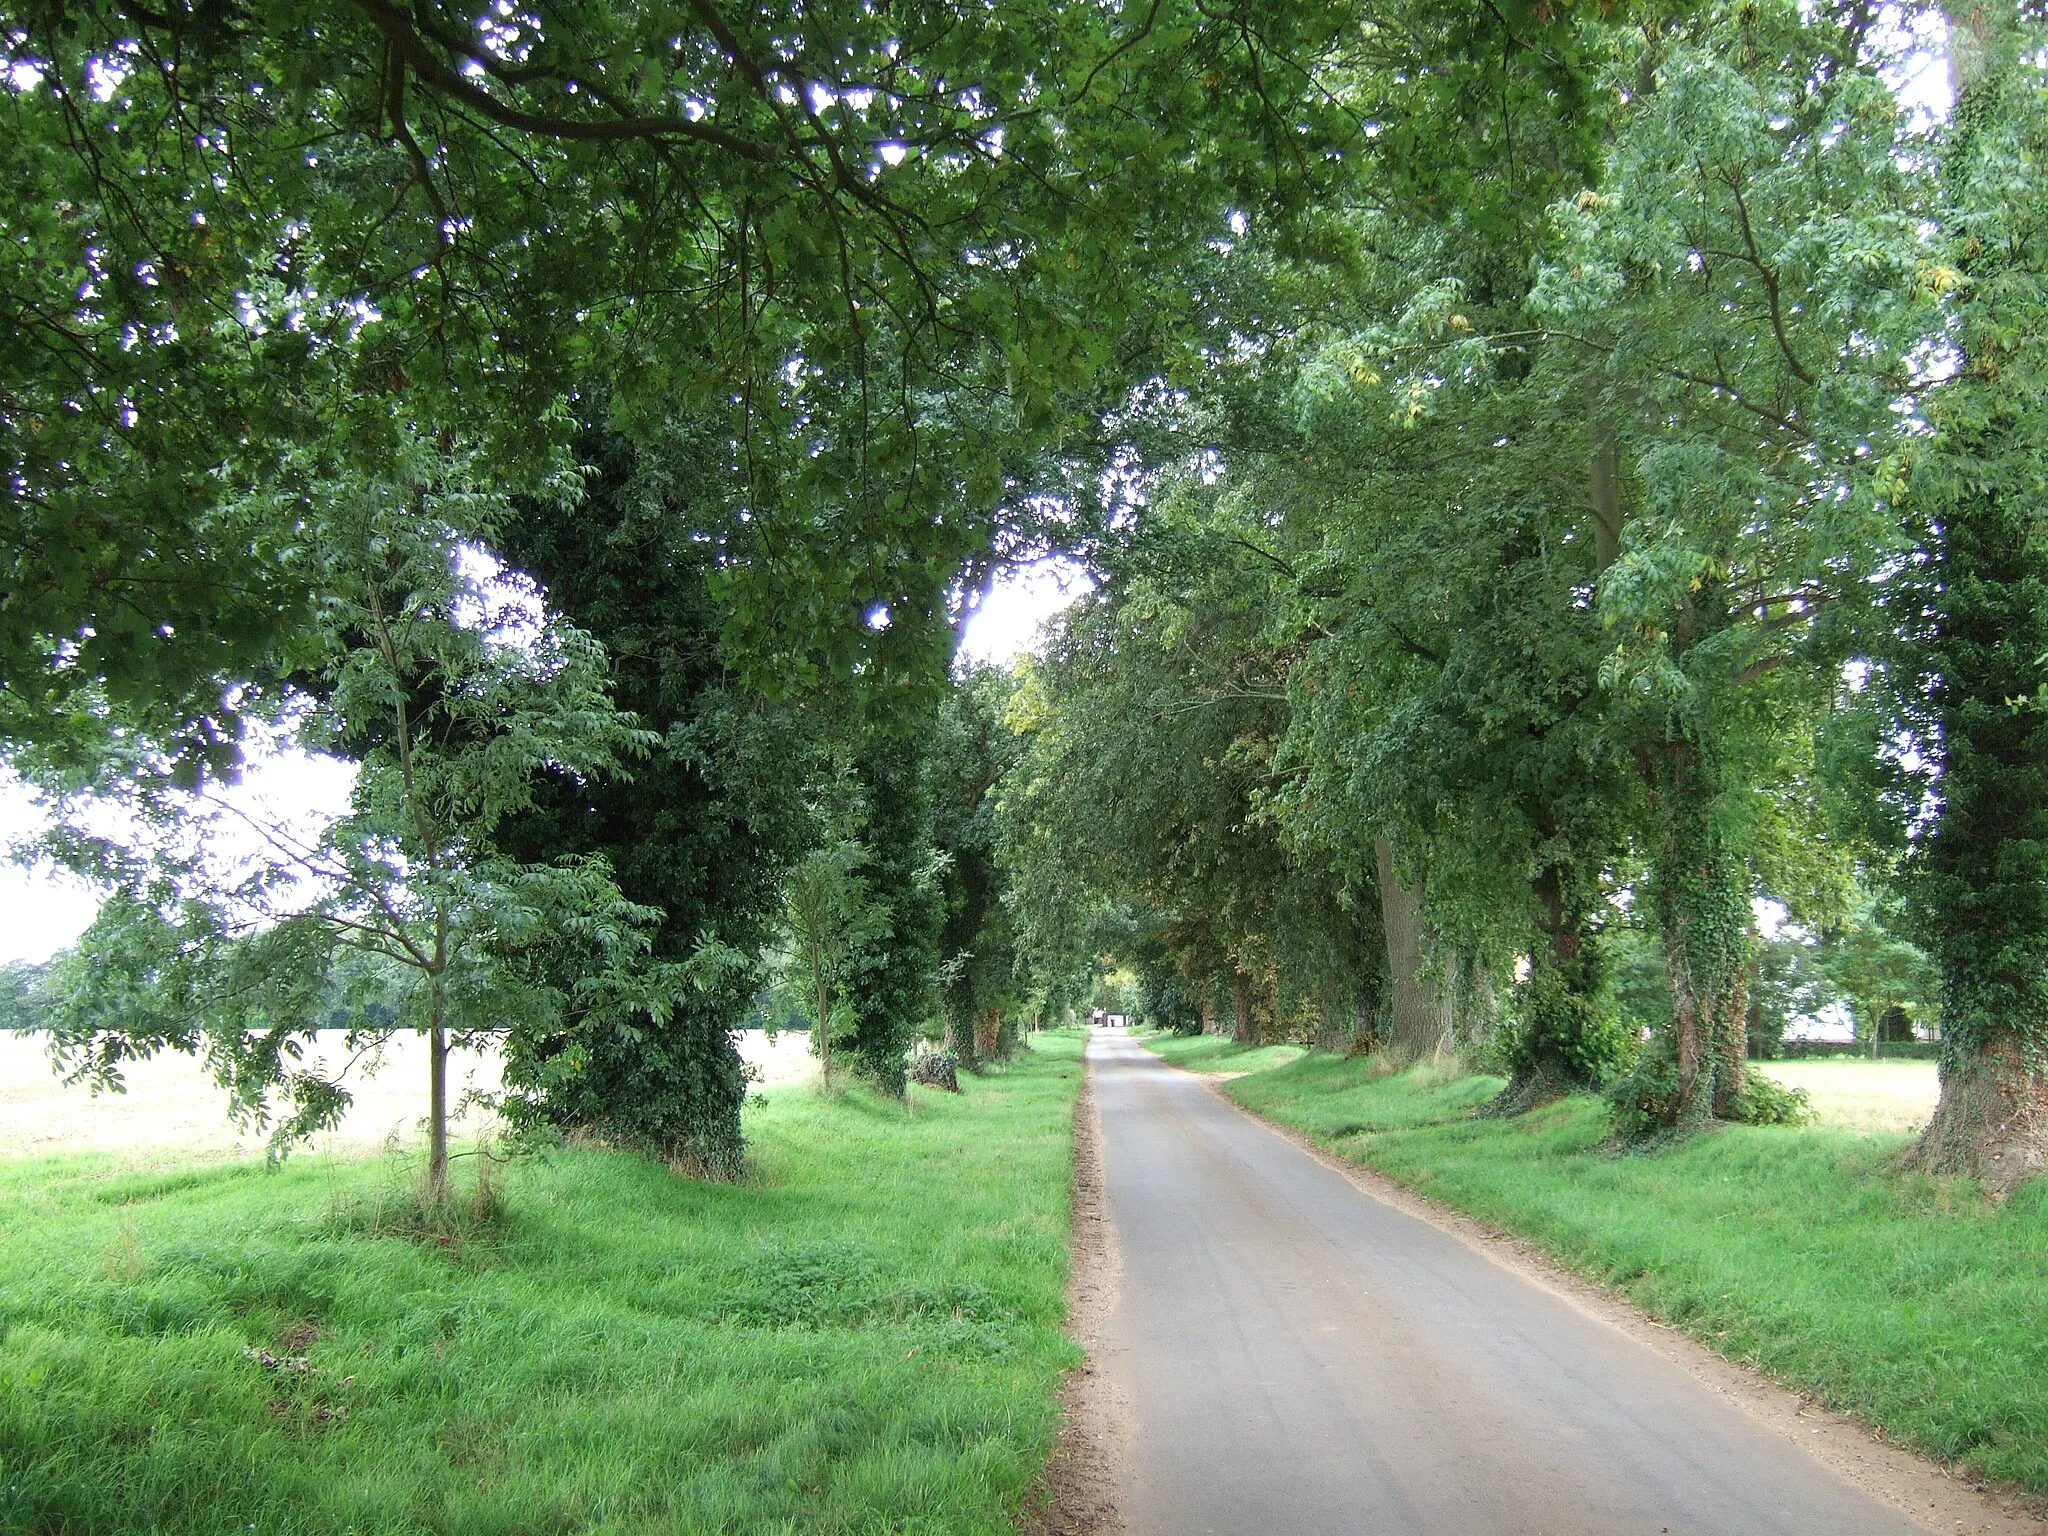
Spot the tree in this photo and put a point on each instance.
(973, 748)
(829, 921)
(714, 810)
(1975, 620)
(1876, 971)
(890, 983)
(456, 710)
(1762, 218)
(23, 1005)
(850, 240)
(1151, 727)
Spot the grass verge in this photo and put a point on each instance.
(864, 1337)
(1214, 1053)
(1799, 1250)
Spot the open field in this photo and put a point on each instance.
(865, 1336)
(1863, 1095)
(172, 1106)
(1801, 1250)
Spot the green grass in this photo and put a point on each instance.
(864, 1337)
(1799, 1250)
(1214, 1053)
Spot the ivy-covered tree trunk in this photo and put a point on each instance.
(1984, 871)
(1703, 911)
(709, 822)
(1423, 1015)
(1242, 1030)
(1983, 874)
(891, 990)
(1562, 1042)
(960, 1038)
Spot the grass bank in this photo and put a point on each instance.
(1800, 1250)
(1214, 1053)
(865, 1337)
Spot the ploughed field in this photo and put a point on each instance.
(170, 1105)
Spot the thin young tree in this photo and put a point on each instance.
(828, 916)
(453, 706)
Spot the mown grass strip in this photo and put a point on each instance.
(1798, 1250)
(1214, 1053)
(865, 1337)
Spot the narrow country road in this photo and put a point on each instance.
(1299, 1357)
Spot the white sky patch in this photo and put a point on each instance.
(1016, 608)
(1770, 915)
(43, 910)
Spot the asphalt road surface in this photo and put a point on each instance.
(1297, 1356)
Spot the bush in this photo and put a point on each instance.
(936, 1069)
(1642, 1096)
(1560, 1037)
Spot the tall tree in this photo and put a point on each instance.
(973, 748)
(1741, 289)
(1976, 696)
(712, 814)
(853, 240)
(891, 984)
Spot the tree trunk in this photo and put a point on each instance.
(1551, 1056)
(1704, 913)
(960, 1040)
(1985, 869)
(1332, 1029)
(1241, 1001)
(1423, 1015)
(437, 1117)
(821, 1001)
(988, 1035)
(1208, 1012)
(1734, 1067)
(1606, 500)
(1365, 1027)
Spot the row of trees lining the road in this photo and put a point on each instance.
(1611, 519)
(1538, 459)
(759, 337)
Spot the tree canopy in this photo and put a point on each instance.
(1559, 481)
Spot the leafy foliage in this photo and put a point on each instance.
(702, 828)
(409, 897)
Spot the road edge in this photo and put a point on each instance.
(1076, 1493)
(1848, 1445)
